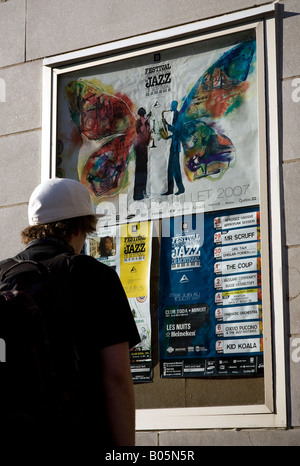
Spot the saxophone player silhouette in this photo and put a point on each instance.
(174, 172)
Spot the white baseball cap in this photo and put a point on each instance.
(58, 199)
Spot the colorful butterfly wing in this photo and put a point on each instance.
(219, 91)
(105, 170)
(207, 152)
(108, 119)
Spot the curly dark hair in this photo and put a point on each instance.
(63, 229)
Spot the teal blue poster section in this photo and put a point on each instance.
(210, 310)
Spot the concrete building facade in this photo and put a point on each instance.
(37, 36)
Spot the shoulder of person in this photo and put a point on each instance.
(91, 265)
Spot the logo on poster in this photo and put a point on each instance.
(184, 279)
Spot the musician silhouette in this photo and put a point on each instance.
(174, 163)
(142, 140)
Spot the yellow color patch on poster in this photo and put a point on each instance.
(134, 258)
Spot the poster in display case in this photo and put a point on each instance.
(174, 135)
(210, 313)
(127, 249)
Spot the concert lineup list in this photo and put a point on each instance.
(210, 302)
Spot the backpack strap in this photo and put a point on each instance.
(12, 263)
(6, 265)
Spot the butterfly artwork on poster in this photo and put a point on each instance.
(150, 135)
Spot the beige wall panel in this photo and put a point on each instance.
(12, 32)
(293, 275)
(294, 374)
(290, 11)
(231, 438)
(290, 119)
(290, 205)
(12, 222)
(20, 167)
(56, 27)
(22, 109)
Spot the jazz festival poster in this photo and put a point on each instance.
(164, 133)
(210, 312)
(171, 133)
(127, 248)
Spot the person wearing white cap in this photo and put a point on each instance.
(60, 216)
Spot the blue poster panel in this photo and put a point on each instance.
(210, 308)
